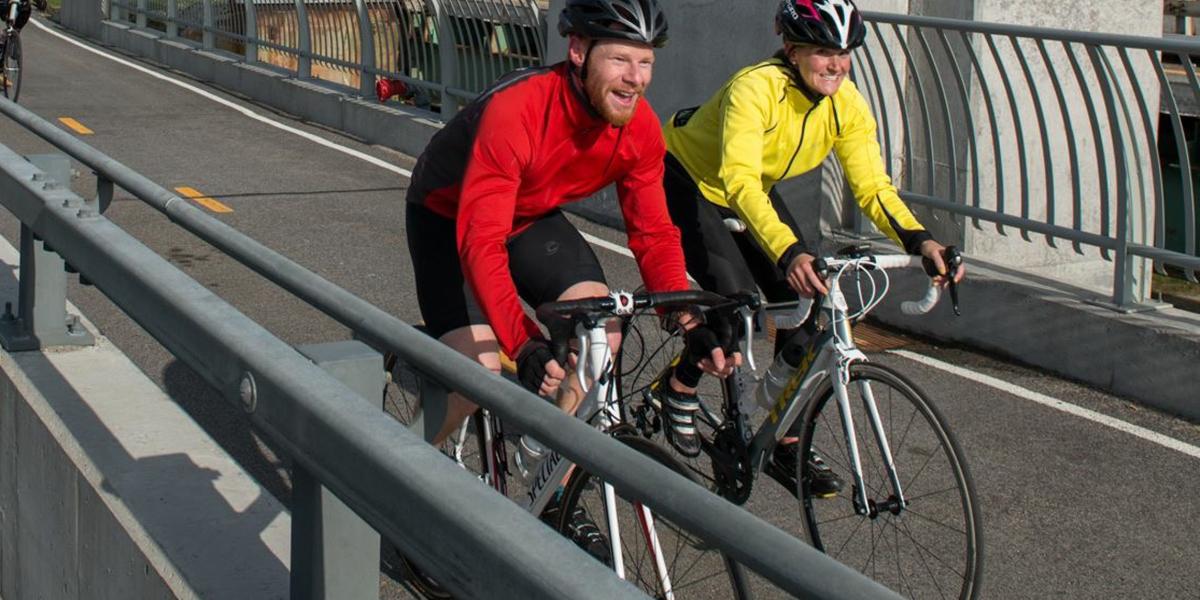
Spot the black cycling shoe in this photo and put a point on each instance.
(581, 529)
(678, 411)
(823, 482)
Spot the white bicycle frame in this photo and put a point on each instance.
(832, 362)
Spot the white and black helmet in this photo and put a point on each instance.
(826, 23)
(635, 20)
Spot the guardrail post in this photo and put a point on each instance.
(366, 54)
(447, 59)
(251, 31)
(41, 319)
(304, 59)
(335, 554)
(207, 39)
(172, 18)
(104, 194)
(142, 7)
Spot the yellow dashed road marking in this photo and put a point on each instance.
(203, 200)
(78, 127)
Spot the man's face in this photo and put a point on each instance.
(617, 75)
(822, 69)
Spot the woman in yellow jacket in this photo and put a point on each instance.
(771, 121)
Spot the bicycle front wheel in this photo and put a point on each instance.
(692, 568)
(10, 68)
(930, 548)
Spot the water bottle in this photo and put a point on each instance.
(529, 453)
(773, 382)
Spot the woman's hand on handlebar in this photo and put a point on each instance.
(936, 253)
(707, 343)
(803, 276)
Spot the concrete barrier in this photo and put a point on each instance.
(109, 490)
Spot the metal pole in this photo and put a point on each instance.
(142, 7)
(208, 23)
(447, 59)
(366, 81)
(335, 554)
(172, 18)
(304, 59)
(251, 31)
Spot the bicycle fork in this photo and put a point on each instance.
(839, 375)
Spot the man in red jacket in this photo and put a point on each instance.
(483, 220)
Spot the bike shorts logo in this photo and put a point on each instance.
(543, 475)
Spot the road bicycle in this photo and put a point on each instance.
(10, 52)
(644, 548)
(906, 514)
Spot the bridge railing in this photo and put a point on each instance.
(387, 475)
(1044, 132)
(446, 51)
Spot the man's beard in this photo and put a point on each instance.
(597, 93)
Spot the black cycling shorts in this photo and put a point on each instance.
(545, 260)
(718, 259)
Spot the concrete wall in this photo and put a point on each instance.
(109, 490)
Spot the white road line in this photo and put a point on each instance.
(1051, 402)
(245, 111)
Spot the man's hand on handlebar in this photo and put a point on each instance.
(537, 368)
(936, 254)
(803, 277)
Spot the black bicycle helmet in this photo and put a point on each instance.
(826, 23)
(636, 20)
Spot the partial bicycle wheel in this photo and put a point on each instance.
(931, 548)
(10, 68)
(695, 569)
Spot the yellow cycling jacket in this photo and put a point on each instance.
(760, 128)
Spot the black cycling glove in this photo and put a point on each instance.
(717, 331)
(531, 364)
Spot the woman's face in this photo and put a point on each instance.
(822, 69)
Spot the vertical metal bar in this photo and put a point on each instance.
(172, 16)
(1189, 205)
(915, 73)
(142, 7)
(1072, 151)
(335, 554)
(1040, 114)
(447, 61)
(1137, 235)
(206, 36)
(986, 93)
(1151, 145)
(1018, 130)
(1101, 163)
(947, 122)
(899, 87)
(1123, 280)
(366, 52)
(972, 144)
(251, 33)
(304, 29)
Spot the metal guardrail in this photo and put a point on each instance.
(1005, 124)
(447, 51)
(373, 463)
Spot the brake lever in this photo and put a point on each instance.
(953, 259)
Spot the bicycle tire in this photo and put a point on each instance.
(696, 570)
(934, 546)
(10, 68)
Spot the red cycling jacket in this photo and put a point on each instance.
(526, 146)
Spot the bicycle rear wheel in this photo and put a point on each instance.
(10, 68)
(932, 548)
(696, 570)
